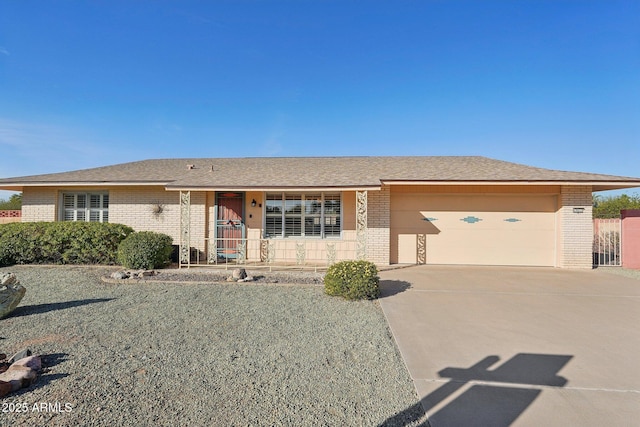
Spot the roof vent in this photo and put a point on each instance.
(191, 167)
(211, 168)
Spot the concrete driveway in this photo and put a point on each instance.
(498, 346)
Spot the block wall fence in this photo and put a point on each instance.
(630, 238)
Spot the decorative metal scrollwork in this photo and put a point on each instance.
(212, 256)
(267, 251)
(242, 252)
(361, 224)
(422, 248)
(185, 227)
(300, 253)
(331, 253)
(264, 250)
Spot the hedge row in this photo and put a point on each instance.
(61, 242)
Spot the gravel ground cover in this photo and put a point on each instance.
(635, 274)
(208, 354)
(219, 275)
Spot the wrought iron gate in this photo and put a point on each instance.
(607, 245)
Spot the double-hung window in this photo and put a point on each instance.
(90, 207)
(303, 215)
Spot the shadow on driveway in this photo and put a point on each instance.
(492, 397)
(392, 287)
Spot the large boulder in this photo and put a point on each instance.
(18, 372)
(11, 293)
(21, 373)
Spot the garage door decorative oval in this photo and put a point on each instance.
(471, 219)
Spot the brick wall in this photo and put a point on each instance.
(39, 204)
(134, 206)
(575, 237)
(378, 224)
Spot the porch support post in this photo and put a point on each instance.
(185, 227)
(361, 225)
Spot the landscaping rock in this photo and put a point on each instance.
(144, 273)
(33, 362)
(239, 273)
(20, 355)
(120, 275)
(18, 376)
(138, 274)
(11, 293)
(20, 373)
(7, 279)
(5, 388)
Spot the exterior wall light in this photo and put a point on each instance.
(253, 203)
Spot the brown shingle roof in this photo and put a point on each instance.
(321, 172)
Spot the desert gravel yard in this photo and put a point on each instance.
(201, 354)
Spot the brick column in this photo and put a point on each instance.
(379, 222)
(575, 224)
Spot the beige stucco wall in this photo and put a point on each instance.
(575, 230)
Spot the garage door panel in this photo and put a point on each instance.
(478, 230)
(479, 203)
(493, 247)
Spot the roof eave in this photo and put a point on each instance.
(20, 185)
(600, 185)
(274, 188)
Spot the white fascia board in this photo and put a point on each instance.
(618, 184)
(82, 184)
(273, 189)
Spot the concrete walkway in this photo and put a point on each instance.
(493, 346)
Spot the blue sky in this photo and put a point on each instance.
(553, 84)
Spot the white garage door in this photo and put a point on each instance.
(474, 229)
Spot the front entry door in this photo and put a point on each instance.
(229, 225)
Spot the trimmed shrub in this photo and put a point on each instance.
(352, 280)
(60, 242)
(145, 250)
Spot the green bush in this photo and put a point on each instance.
(60, 242)
(352, 280)
(145, 249)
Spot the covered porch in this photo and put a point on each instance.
(229, 228)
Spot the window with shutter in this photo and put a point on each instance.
(332, 225)
(92, 207)
(302, 215)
